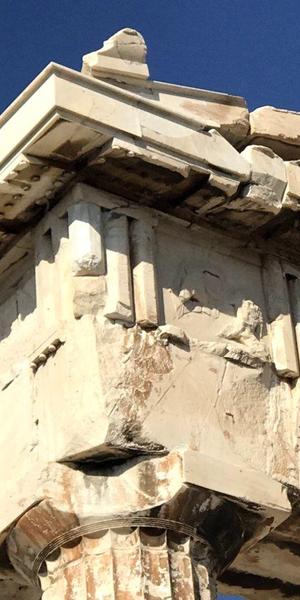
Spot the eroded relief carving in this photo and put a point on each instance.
(246, 336)
(200, 297)
(130, 288)
(125, 289)
(204, 292)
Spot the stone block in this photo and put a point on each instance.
(208, 147)
(63, 265)
(73, 390)
(47, 292)
(228, 114)
(292, 193)
(88, 295)
(278, 129)
(284, 350)
(86, 239)
(268, 180)
(144, 274)
(19, 448)
(123, 56)
(119, 305)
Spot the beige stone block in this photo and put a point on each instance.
(47, 292)
(19, 448)
(249, 485)
(266, 167)
(209, 147)
(123, 55)
(284, 350)
(63, 265)
(268, 179)
(118, 495)
(88, 295)
(119, 305)
(85, 233)
(121, 146)
(103, 107)
(144, 273)
(293, 283)
(278, 129)
(226, 113)
(292, 193)
(111, 67)
(228, 185)
(16, 406)
(69, 385)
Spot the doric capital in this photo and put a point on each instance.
(129, 555)
(171, 538)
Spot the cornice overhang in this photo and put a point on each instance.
(59, 92)
(170, 147)
(64, 121)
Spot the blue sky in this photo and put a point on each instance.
(246, 47)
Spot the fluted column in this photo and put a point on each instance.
(128, 558)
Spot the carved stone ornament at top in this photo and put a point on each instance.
(123, 55)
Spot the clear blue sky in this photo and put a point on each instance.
(245, 47)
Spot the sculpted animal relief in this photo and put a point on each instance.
(149, 339)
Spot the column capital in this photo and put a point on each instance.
(146, 526)
(133, 553)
